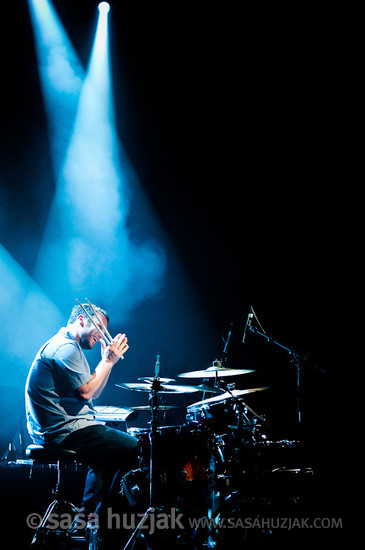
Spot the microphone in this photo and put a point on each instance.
(248, 324)
(157, 366)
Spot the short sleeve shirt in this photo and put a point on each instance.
(54, 408)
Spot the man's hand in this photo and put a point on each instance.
(115, 350)
(109, 356)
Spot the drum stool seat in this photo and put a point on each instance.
(50, 455)
(46, 454)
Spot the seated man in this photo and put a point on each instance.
(59, 407)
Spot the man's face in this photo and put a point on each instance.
(88, 333)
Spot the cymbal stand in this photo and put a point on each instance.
(153, 402)
(226, 342)
(221, 384)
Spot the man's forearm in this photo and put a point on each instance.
(99, 378)
(102, 386)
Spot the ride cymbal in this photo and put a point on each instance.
(208, 389)
(226, 396)
(214, 371)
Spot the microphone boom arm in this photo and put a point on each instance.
(296, 359)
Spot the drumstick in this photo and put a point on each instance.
(104, 336)
(100, 321)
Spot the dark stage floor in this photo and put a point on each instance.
(266, 495)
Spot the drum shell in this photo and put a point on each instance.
(182, 460)
(180, 454)
(214, 416)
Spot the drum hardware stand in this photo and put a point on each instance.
(204, 381)
(153, 402)
(221, 384)
(163, 399)
(226, 342)
(223, 360)
(242, 409)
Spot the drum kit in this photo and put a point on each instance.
(211, 460)
(220, 462)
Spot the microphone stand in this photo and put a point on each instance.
(295, 359)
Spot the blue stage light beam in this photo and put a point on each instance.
(102, 239)
(61, 75)
(87, 248)
(29, 319)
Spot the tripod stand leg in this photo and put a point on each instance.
(138, 532)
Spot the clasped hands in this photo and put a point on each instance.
(116, 349)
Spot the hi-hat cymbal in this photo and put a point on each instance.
(135, 386)
(159, 408)
(226, 396)
(214, 371)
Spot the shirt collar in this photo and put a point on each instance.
(65, 332)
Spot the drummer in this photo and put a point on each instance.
(59, 400)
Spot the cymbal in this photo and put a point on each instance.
(214, 371)
(161, 380)
(201, 387)
(208, 389)
(159, 408)
(226, 396)
(135, 386)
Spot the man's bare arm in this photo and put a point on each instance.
(99, 378)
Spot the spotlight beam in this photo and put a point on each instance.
(61, 75)
(104, 8)
(87, 241)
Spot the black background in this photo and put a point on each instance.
(229, 116)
